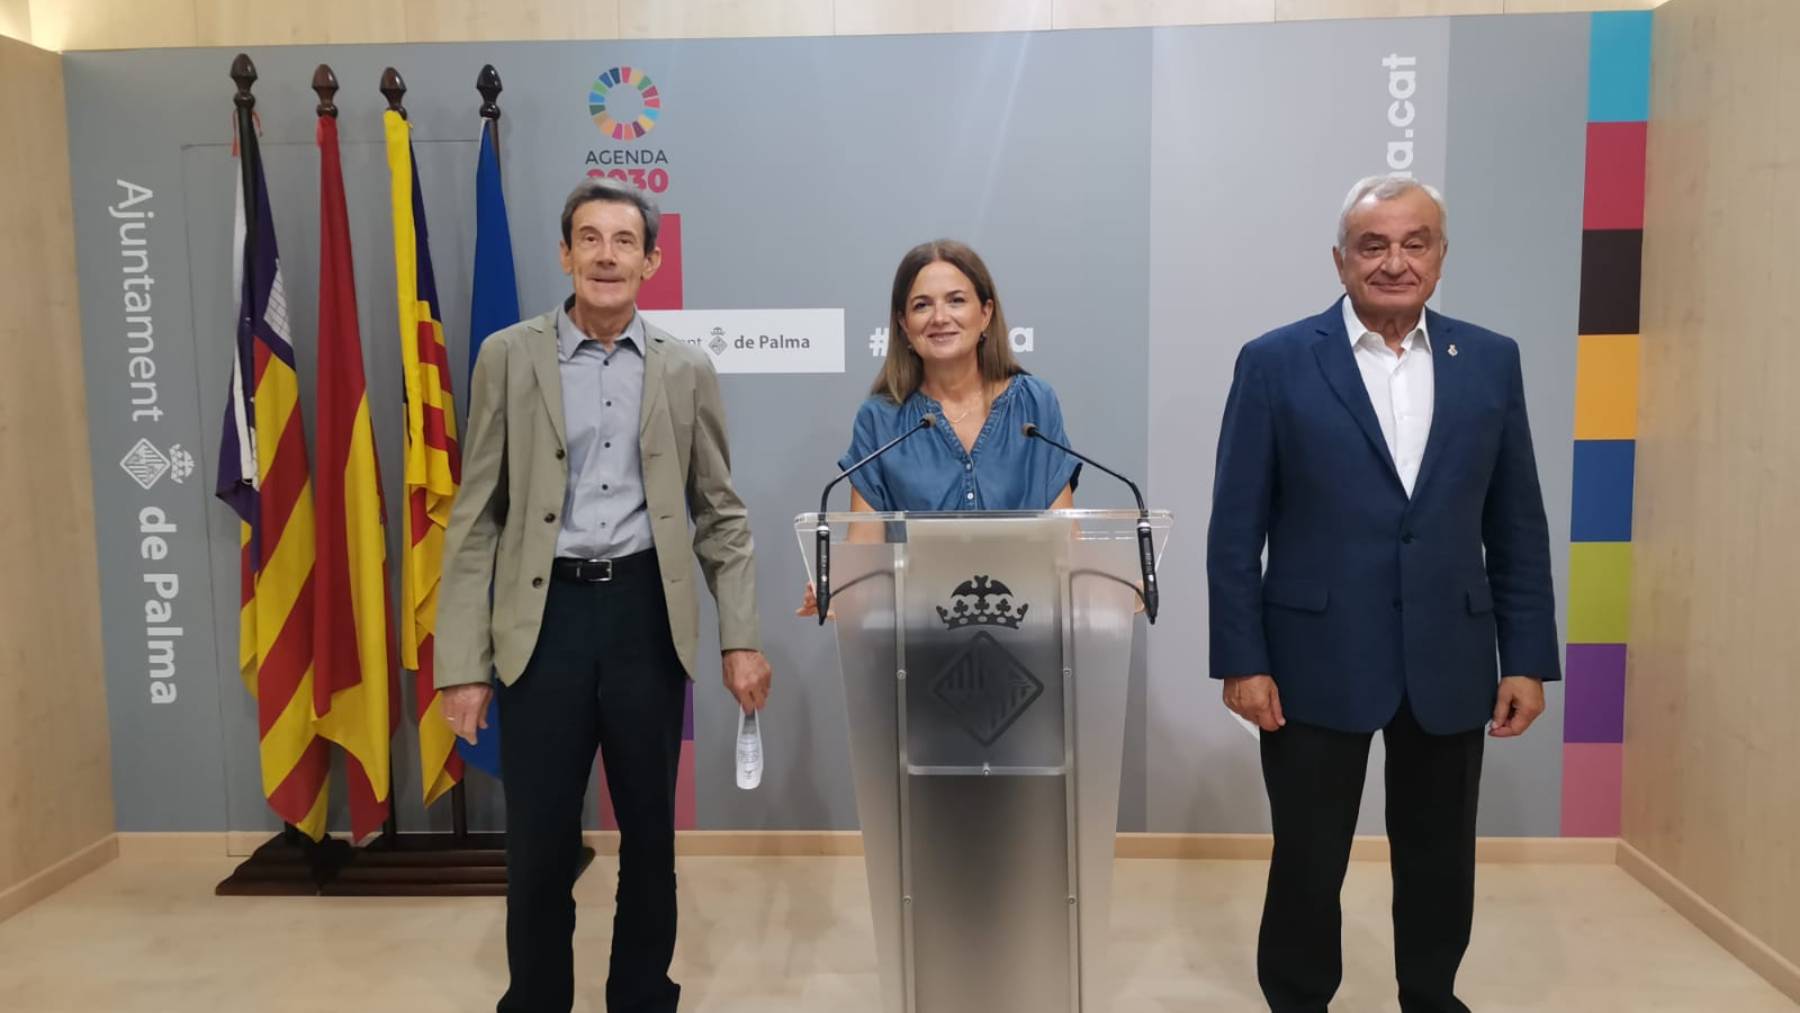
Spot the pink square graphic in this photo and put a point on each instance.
(1592, 776)
(1614, 197)
(664, 289)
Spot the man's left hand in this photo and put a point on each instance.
(1520, 702)
(747, 676)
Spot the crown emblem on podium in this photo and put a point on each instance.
(982, 602)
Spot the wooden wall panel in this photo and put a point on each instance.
(56, 780)
(486, 20)
(1122, 13)
(906, 17)
(1576, 6)
(149, 24)
(1712, 756)
(236, 23)
(117, 24)
(688, 19)
(1298, 10)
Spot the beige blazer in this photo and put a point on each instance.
(508, 511)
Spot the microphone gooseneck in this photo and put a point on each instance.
(1146, 542)
(822, 534)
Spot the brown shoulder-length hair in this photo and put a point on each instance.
(902, 372)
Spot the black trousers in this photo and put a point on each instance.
(1314, 778)
(604, 675)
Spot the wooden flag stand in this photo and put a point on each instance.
(395, 864)
(456, 864)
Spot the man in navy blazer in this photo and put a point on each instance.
(1381, 453)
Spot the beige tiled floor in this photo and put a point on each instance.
(793, 935)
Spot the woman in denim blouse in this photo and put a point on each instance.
(950, 357)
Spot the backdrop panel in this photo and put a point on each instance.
(1147, 199)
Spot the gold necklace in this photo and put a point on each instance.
(982, 403)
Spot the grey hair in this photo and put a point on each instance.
(611, 191)
(1388, 187)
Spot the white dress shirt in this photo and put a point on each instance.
(1401, 388)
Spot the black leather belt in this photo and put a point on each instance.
(604, 571)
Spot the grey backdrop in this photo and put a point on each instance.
(1147, 199)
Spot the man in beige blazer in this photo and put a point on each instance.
(595, 473)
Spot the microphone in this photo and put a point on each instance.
(1146, 548)
(822, 535)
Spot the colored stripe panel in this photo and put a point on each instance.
(1619, 67)
(1606, 427)
(1601, 506)
(1592, 776)
(1606, 387)
(1600, 593)
(1611, 278)
(1614, 197)
(1594, 693)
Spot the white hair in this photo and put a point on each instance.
(1388, 187)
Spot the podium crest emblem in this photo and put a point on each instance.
(984, 687)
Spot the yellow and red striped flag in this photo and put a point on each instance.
(263, 477)
(433, 461)
(356, 680)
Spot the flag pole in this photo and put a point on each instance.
(243, 74)
(393, 88)
(487, 82)
(291, 862)
(325, 85)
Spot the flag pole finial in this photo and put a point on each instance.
(243, 71)
(488, 84)
(325, 85)
(394, 87)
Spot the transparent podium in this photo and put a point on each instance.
(985, 660)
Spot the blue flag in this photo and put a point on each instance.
(494, 307)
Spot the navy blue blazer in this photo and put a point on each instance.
(1371, 597)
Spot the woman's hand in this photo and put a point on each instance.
(809, 604)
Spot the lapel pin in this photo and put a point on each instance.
(1452, 351)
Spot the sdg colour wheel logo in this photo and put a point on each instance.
(624, 103)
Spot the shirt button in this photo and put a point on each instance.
(549, 518)
(968, 467)
(609, 404)
(608, 446)
(970, 496)
(560, 455)
(1407, 539)
(604, 487)
(537, 582)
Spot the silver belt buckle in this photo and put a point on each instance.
(595, 571)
